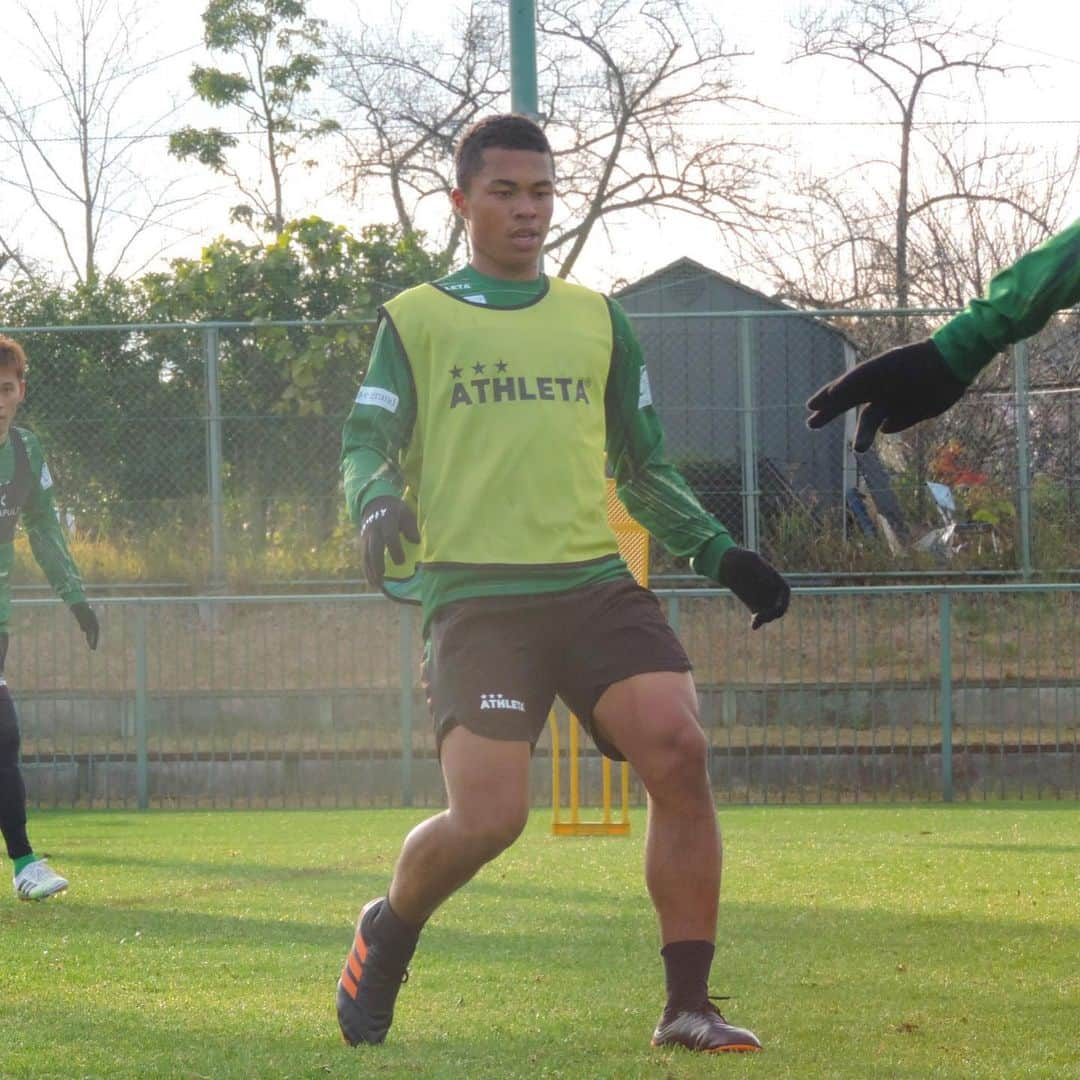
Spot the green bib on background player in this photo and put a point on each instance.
(497, 390)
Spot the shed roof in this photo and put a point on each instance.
(684, 268)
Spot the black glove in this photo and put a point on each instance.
(899, 388)
(87, 620)
(756, 583)
(386, 520)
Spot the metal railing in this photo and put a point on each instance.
(859, 694)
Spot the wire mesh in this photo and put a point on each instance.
(210, 454)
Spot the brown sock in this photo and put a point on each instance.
(686, 971)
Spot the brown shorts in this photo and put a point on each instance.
(495, 664)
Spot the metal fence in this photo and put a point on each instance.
(859, 694)
(203, 454)
(206, 448)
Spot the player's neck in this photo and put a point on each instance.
(498, 272)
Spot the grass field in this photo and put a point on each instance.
(857, 942)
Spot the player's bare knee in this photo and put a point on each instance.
(493, 839)
(677, 760)
(491, 832)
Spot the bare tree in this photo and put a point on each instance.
(928, 224)
(409, 96)
(632, 92)
(13, 260)
(79, 175)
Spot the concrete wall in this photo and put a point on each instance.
(345, 747)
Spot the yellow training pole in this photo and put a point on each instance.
(633, 543)
(575, 777)
(556, 770)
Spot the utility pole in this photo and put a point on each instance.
(523, 97)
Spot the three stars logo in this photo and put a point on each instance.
(479, 368)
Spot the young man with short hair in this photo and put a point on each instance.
(474, 457)
(26, 492)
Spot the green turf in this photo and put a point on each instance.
(857, 942)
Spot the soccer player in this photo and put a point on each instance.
(25, 491)
(474, 459)
(902, 386)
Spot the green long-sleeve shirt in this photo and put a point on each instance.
(1019, 301)
(42, 526)
(655, 493)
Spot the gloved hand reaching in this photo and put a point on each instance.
(897, 388)
(386, 519)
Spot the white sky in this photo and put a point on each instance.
(818, 99)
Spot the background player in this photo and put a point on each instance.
(26, 492)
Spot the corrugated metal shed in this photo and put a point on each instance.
(694, 370)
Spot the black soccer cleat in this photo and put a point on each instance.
(369, 984)
(703, 1029)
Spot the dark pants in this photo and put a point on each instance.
(12, 789)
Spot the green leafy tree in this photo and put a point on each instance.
(285, 390)
(122, 412)
(277, 46)
(124, 437)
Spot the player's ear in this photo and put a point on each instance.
(460, 202)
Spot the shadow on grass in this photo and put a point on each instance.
(365, 883)
(103, 1040)
(1005, 847)
(457, 933)
(548, 965)
(832, 992)
(221, 867)
(109, 924)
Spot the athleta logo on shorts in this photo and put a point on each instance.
(497, 701)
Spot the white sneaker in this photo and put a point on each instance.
(35, 881)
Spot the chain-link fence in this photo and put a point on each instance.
(199, 454)
(208, 454)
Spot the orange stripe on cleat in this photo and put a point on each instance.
(355, 965)
(361, 948)
(349, 983)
